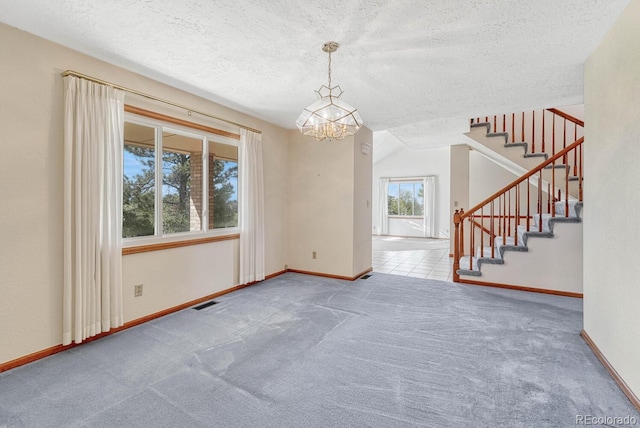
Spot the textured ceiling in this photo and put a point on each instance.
(415, 68)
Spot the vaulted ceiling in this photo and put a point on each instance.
(414, 68)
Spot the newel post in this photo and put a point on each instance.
(456, 246)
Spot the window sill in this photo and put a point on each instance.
(407, 217)
(132, 248)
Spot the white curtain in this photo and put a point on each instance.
(383, 207)
(429, 207)
(251, 208)
(93, 140)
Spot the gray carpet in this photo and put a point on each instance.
(303, 351)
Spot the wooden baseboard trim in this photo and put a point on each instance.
(60, 348)
(614, 374)
(273, 275)
(329, 275)
(521, 288)
(34, 357)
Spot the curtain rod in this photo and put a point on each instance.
(151, 97)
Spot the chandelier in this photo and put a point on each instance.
(329, 117)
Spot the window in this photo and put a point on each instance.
(165, 188)
(138, 187)
(224, 193)
(405, 198)
(181, 211)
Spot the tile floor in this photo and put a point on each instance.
(416, 257)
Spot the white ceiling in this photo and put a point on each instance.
(415, 68)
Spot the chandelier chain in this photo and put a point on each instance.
(329, 70)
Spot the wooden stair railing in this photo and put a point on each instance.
(483, 219)
(546, 131)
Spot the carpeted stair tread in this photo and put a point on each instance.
(505, 135)
(508, 243)
(481, 125)
(536, 155)
(487, 252)
(557, 166)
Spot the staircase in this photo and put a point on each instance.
(529, 234)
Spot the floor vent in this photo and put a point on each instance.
(365, 277)
(205, 305)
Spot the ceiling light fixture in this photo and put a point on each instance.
(329, 117)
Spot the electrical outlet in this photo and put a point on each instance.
(314, 255)
(137, 290)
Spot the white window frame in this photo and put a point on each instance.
(399, 181)
(158, 237)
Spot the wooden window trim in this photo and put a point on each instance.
(177, 244)
(170, 119)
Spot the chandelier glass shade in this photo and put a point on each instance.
(329, 117)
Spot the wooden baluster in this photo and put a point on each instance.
(471, 121)
(540, 201)
(517, 219)
(575, 152)
(553, 180)
(504, 218)
(486, 119)
(553, 135)
(472, 232)
(580, 176)
(482, 232)
(528, 204)
(533, 131)
(543, 131)
(513, 127)
(492, 242)
(456, 246)
(462, 234)
(504, 122)
(549, 196)
(509, 213)
(500, 215)
(495, 120)
(575, 163)
(522, 126)
(566, 189)
(564, 141)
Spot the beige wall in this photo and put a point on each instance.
(611, 226)
(362, 201)
(487, 177)
(31, 176)
(326, 189)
